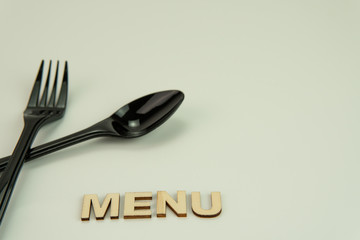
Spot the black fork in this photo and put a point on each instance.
(37, 113)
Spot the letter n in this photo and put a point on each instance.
(164, 199)
(112, 199)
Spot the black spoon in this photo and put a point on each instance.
(135, 119)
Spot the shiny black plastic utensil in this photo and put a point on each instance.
(37, 113)
(135, 119)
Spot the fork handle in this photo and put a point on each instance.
(12, 170)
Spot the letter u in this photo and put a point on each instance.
(215, 209)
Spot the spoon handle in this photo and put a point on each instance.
(44, 149)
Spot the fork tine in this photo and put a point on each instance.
(34, 96)
(64, 89)
(53, 92)
(46, 88)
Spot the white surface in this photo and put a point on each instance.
(270, 118)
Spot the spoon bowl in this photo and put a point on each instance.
(146, 113)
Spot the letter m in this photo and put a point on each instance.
(112, 199)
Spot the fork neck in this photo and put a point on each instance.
(31, 127)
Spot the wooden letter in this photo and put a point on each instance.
(133, 209)
(179, 207)
(92, 199)
(215, 209)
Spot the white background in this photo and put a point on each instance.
(270, 117)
